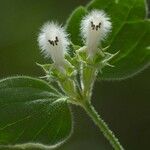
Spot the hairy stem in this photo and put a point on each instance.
(102, 126)
(88, 79)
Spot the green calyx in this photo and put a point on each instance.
(79, 73)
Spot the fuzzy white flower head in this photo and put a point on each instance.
(94, 28)
(53, 42)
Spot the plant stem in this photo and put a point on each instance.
(102, 126)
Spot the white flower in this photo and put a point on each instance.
(94, 28)
(53, 42)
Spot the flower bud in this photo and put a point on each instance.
(53, 42)
(94, 28)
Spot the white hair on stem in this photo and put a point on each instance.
(53, 41)
(94, 28)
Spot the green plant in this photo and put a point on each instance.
(35, 113)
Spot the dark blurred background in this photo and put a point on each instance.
(124, 105)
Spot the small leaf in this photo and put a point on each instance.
(73, 25)
(32, 113)
(46, 67)
(133, 42)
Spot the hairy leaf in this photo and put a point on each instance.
(32, 114)
(133, 43)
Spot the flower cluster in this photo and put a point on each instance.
(53, 40)
(87, 61)
(73, 74)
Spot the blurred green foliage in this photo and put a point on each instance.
(19, 28)
(125, 105)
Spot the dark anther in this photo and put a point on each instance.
(56, 41)
(97, 28)
(51, 42)
(99, 25)
(92, 25)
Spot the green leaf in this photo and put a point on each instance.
(46, 67)
(32, 113)
(121, 9)
(133, 42)
(73, 25)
